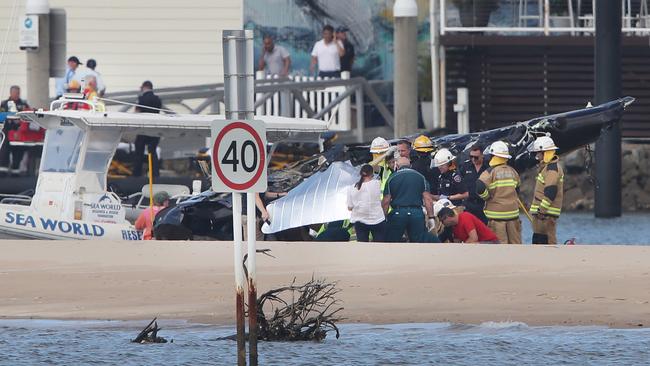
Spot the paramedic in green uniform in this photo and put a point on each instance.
(406, 193)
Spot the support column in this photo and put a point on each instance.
(608, 87)
(38, 61)
(405, 75)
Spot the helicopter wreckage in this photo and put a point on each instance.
(317, 186)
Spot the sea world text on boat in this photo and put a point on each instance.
(54, 225)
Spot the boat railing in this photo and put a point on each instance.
(15, 199)
(71, 98)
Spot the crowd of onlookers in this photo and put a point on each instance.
(330, 55)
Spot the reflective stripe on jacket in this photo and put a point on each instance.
(498, 187)
(549, 185)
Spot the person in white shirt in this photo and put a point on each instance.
(91, 64)
(275, 59)
(364, 200)
(327, 54)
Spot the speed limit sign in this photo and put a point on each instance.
(239, 156)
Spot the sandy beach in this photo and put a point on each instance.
(381, 283)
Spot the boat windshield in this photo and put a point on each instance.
(62, 147)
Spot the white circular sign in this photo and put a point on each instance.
(239, 157)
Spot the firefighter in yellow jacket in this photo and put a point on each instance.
(549, 184)
(498, 186)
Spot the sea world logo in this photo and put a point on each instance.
(28, 23)
(105, 202)
(56, 226)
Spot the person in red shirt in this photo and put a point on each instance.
(467, 228)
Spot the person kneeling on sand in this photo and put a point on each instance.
(466, 227)
(145, 220)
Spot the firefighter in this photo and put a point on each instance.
(422, 147)
(381, 159)
(498, 186)
(547, 199)
(450, 183)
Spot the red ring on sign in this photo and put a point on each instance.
(215, 156)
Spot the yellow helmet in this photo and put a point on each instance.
(423, 144)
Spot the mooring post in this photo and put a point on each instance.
(239, 279)
(607, 59)
(38, 58)
(252, 281)
(405, 86)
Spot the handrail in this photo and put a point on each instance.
(544, 24)
(64, 100)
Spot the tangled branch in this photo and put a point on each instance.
(299, 312)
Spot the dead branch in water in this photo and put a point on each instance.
(150, 334)
(299, 312)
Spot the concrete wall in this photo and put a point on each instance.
(170, 42)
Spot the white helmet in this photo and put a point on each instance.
(498, 148)
(440, 204)
(544, 143)
(442, 157)
(379, 145)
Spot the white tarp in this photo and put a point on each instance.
(320, 198)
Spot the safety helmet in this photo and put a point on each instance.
(498, 148)
(74, 84)
(442, 157)
(423, 144)
(379, 145)
(543, 143)
(440, 204)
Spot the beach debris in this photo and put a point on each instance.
(299, 312)
(150, 334)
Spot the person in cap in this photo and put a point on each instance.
(466, 227)
(72, 72)
(347, 60)
(548, 195)
(470, 171)
(144, 222)
(91, 64)
(498, 186)
(406, 193)
(450, 183)
(147, 98)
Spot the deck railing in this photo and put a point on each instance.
(548, 17)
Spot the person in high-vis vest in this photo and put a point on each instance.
(549, 183)
(381, 159)
(498, 186)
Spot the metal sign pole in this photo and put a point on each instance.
(249, 111)
(232, 90)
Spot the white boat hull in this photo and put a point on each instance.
(22, 222)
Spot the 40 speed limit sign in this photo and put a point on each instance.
(239, 156)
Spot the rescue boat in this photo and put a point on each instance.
(71, 199)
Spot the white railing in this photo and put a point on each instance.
(537, 17)
(283, 103)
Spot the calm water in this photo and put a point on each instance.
(631, 228)
(39, 342)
